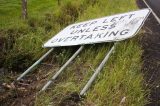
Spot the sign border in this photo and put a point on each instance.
(138, 29)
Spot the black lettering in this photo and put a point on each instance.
(113, 19)
(60, 39)
(130, 16)
(88, 30)
(82, 36)
(79, 25)
(89, 37)
(113, 33)
(124, 32)
(105, 34)
(96, 28)
(104, 27)
(112, 26)
(74, 31)
(66, 39)
(81, 30)
(54, 40)
(98, 35)
(105, 21)
(86, 24)
(122, 17)
(72, 27)
(93, 23)
(75, 38)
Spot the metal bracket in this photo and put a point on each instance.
(61, 69)
(35, 64)
(97, 71)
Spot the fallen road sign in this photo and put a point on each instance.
(107, 29)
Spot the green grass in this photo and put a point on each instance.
(26, 37)
(121, 77)
(11, 10)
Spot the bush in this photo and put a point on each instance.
(18, 61)
(23, 42)
(69, 12)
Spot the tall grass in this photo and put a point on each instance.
(120, 82)
(27, 37)
(121, 76)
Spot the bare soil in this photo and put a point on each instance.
(24, 92)
(150, 43)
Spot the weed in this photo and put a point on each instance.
(120, 78)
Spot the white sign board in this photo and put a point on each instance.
(107, 29)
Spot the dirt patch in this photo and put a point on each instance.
(150, 42)
(71, 100)
(23, 92)
(19, 93)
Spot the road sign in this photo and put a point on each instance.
(107, 29)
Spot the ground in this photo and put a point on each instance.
(151, 57)
(121, 81)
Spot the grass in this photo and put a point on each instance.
(12, 8)
(121, 77)
(27, 37)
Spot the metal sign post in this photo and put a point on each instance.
(62, 68)
(107, 29)
(97, 71)
(35, 64)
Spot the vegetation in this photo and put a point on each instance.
(25, 38)
(120, 78)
